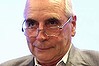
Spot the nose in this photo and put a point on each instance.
(41, 35)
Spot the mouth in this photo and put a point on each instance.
(43, 48)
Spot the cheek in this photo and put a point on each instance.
(30, 42)
(59, 44)
(67, 32)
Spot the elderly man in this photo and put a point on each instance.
(49, 26)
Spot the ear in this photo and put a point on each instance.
(73, 26)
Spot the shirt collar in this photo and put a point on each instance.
(64, 59)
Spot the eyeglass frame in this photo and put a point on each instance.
(60, 27)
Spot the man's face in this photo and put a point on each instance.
(43, 47)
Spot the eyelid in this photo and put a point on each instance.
(30, 23)
(58, 21)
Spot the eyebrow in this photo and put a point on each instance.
(53, 15)
(30, 20)
(52, 19)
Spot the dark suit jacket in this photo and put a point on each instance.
(76, 57)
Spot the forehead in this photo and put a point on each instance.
(48, 6)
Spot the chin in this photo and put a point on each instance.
(44, 57)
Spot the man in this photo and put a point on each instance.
(49, 26)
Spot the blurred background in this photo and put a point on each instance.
(13, 42)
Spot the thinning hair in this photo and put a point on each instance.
(68, 8)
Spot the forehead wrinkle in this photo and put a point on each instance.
(55, 6)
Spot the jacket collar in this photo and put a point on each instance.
(75, 58)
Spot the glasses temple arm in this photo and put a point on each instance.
(69, 20)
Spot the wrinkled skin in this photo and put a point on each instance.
(49, 50)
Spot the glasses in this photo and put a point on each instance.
(52, 27)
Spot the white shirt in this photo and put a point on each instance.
(64, 59)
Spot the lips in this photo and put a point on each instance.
(43, 48)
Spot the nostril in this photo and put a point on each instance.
(40, 37)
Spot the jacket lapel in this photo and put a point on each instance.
(32, 63)
(75, 58)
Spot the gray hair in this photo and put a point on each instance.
(68, 8)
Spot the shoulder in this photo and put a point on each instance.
(19, 61)
(84, 57)
(90, 57)
(92, 54)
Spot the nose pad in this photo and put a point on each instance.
(41, 36)
(40, 31)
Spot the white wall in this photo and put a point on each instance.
(12, 40)
(87, 36)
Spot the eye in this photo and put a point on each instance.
(52, 22)
(31, 23)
